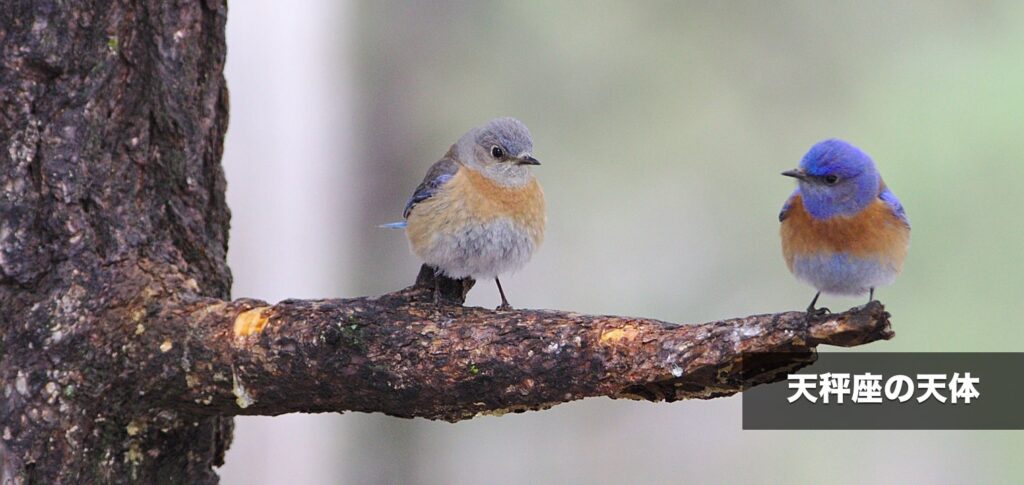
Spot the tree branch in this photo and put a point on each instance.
(405, 355)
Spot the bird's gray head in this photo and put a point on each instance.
(502, 150)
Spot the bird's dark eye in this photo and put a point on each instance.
(497, 152)
(831, 179)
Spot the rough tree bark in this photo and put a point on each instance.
(122, 357)
(112, 116)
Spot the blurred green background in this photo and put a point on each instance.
(662, 127)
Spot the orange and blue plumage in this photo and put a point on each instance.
(843, 231)
(479, 212)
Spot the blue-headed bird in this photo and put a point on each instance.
(843, 231)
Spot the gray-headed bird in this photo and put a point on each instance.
(480, 211)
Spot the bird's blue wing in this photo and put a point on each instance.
(788, 205)
(438, 175)
(894, 203)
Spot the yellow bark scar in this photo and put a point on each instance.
(250, 322)
(615, 335)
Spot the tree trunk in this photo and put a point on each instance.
(112, 117)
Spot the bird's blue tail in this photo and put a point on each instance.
(393, 225)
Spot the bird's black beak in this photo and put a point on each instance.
(797, 173)
(527, 160)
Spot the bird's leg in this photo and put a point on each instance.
(504, 302)
(817, 312)
(871, 296)
(443, 289)
(438, 291)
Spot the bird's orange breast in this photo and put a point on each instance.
(471, 198)
(874, 233)
(488, 200)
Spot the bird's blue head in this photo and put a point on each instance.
(836, 179)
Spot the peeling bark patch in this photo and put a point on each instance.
(242, 397)
(250, 322)
(21, 383)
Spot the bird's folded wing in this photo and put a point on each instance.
(438, 175)
(788, 205)
(894, 203)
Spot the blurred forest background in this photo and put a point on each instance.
(663, 127)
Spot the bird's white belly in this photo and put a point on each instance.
(480, 250)
(842, 274)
